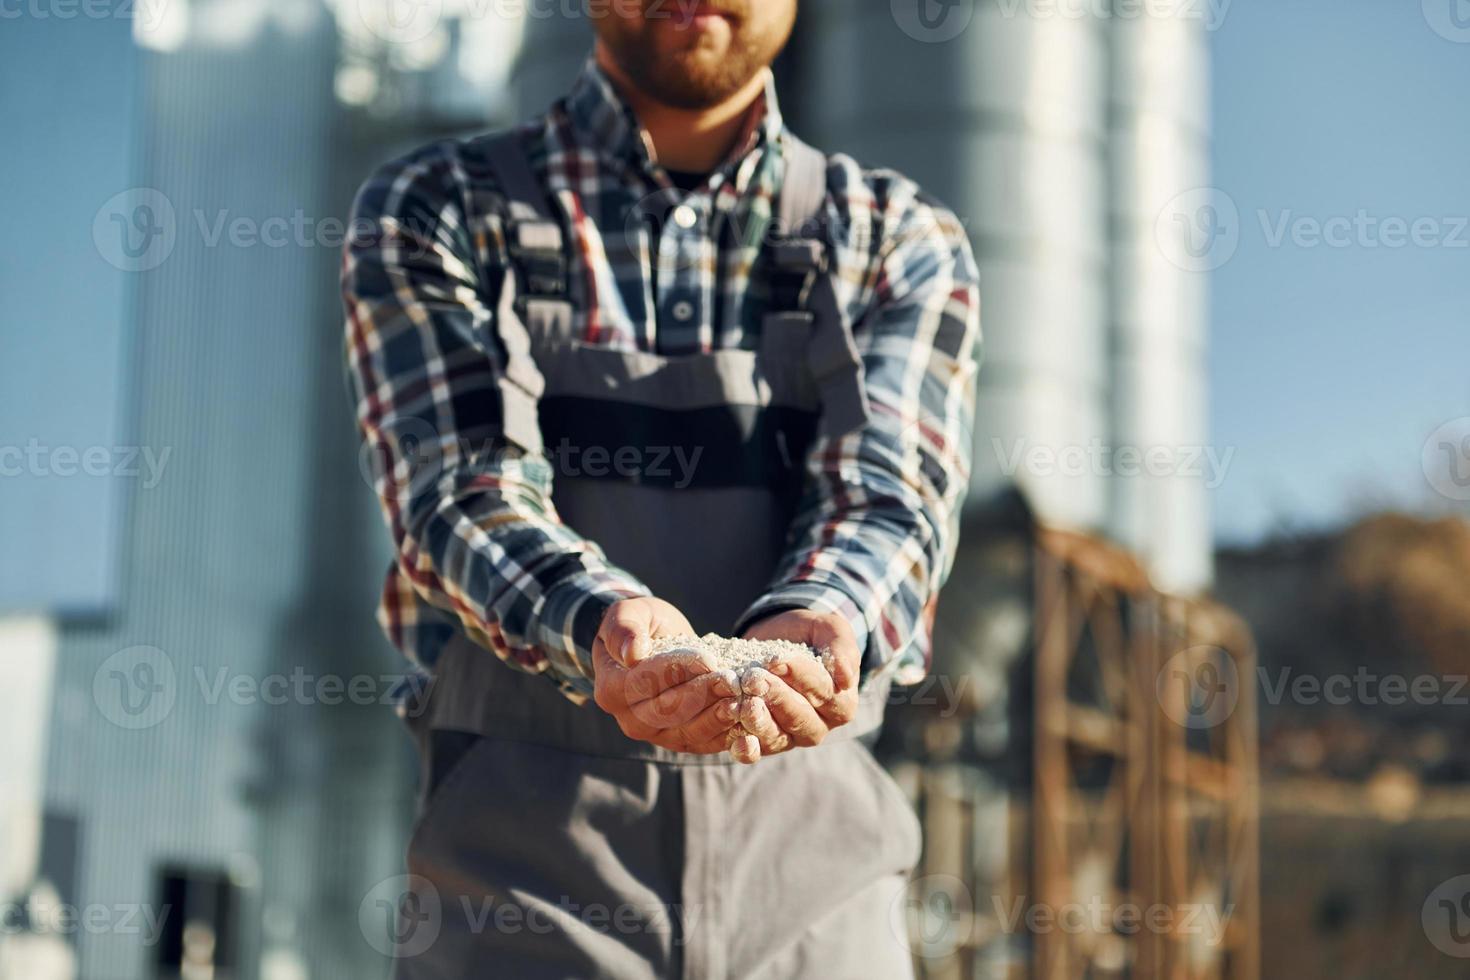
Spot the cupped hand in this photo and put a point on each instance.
(676, 701)
(796, 702)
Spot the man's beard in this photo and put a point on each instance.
(694, 78)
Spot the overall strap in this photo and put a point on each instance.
(804, 294)
(533, 298)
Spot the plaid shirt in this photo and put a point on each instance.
(480, 547)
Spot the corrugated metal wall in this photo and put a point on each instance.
(257, 552)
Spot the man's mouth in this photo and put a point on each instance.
(700, 14)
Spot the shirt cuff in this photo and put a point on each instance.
(568, 615)
(818, 598)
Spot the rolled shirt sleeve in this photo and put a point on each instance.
(875, 536)
(474, 531)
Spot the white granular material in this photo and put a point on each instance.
(739, 657)
(734, 654)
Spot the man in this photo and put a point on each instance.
(645, 367)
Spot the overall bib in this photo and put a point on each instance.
(550, 845)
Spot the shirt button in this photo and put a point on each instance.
(683, 310)
(685, 216)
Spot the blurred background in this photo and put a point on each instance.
(1199, 698)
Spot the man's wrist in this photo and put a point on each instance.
(569, 615)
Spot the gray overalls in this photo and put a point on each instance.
(550, 845)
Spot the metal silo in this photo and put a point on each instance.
(1001, 114)
(1059, 134)
(1168, 230)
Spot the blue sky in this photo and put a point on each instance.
(1330, 366)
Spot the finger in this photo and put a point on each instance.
(790, 712)
(710, 732)
(626, 629)
(745, 749)
(608, 679)
(653, 676)
(832, 636)
(755, 718)
(810, 679)
(681, 704)
(609, 693)
(807, 677)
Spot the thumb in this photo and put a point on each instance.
(626, 631)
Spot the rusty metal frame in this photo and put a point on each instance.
(1176, 824)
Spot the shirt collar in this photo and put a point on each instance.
(602, 120)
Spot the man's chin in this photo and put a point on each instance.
(698, 80)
